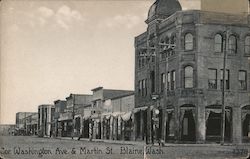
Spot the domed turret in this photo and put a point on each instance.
(163, 9)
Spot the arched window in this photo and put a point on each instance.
(247, 45)
(162, 42)
(232, 44)
(189, 42)
(167, 40)
(188, 77)
(218, 43)
(172, 41)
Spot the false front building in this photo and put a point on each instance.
(179, 65)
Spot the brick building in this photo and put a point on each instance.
(179, 63)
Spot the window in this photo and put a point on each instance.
(172, 80)
(143, 87)
(189, 42)
(152, 77)
(139, 62)
(142, 61)
(140, 87)
(167, 40)
(218, 43)
(163, 81)
(173, 44)
(227, 86)
(212, 78)
(168, 81)
(162, 42)
(188, 77)
(232, 44)
(153, 57)
(243, 80)
(247, 45)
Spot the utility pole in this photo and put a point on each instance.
(223, 88)
(73, 116)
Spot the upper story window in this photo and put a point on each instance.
(162, 42)
(227, 86)
(247, 45)
(172, 42)
(142, 60)
(152, 77)
(173, 80)
(168, 80)
(163, 81)
(144, 88)
(189, 42)
(218, 43)
(167, 40)
(212, 78)
(140, 87)
(232, 44)
(243, 80)
(188, 77)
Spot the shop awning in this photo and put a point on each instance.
(86, 117)
(94, 116)
(106, 115)
(115, 114)
(135, 110)
(126, 116)
(169, 110)
(78, 115)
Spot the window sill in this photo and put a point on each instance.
(243, 90)
(188, 50)
(213, 89)
(210, 89)
(218, 53)
(230, 54)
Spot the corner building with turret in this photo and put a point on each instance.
(179, 63)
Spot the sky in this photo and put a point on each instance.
(50, 49)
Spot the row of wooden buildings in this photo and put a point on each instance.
(106, 114)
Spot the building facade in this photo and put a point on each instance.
(7, 129)
(102, 110)
(21, 122)
(60, 106)
(117, 119)
(179, 70)
(70, 120)
(45, 120)
(32, 124)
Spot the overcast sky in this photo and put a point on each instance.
(50, 49)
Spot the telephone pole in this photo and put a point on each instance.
(223, 88)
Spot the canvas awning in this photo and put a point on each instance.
(94, 116)
(78, 115)
(115, 114)
(106, 115)
(135, 110)
(126, 116)
(86, 117)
